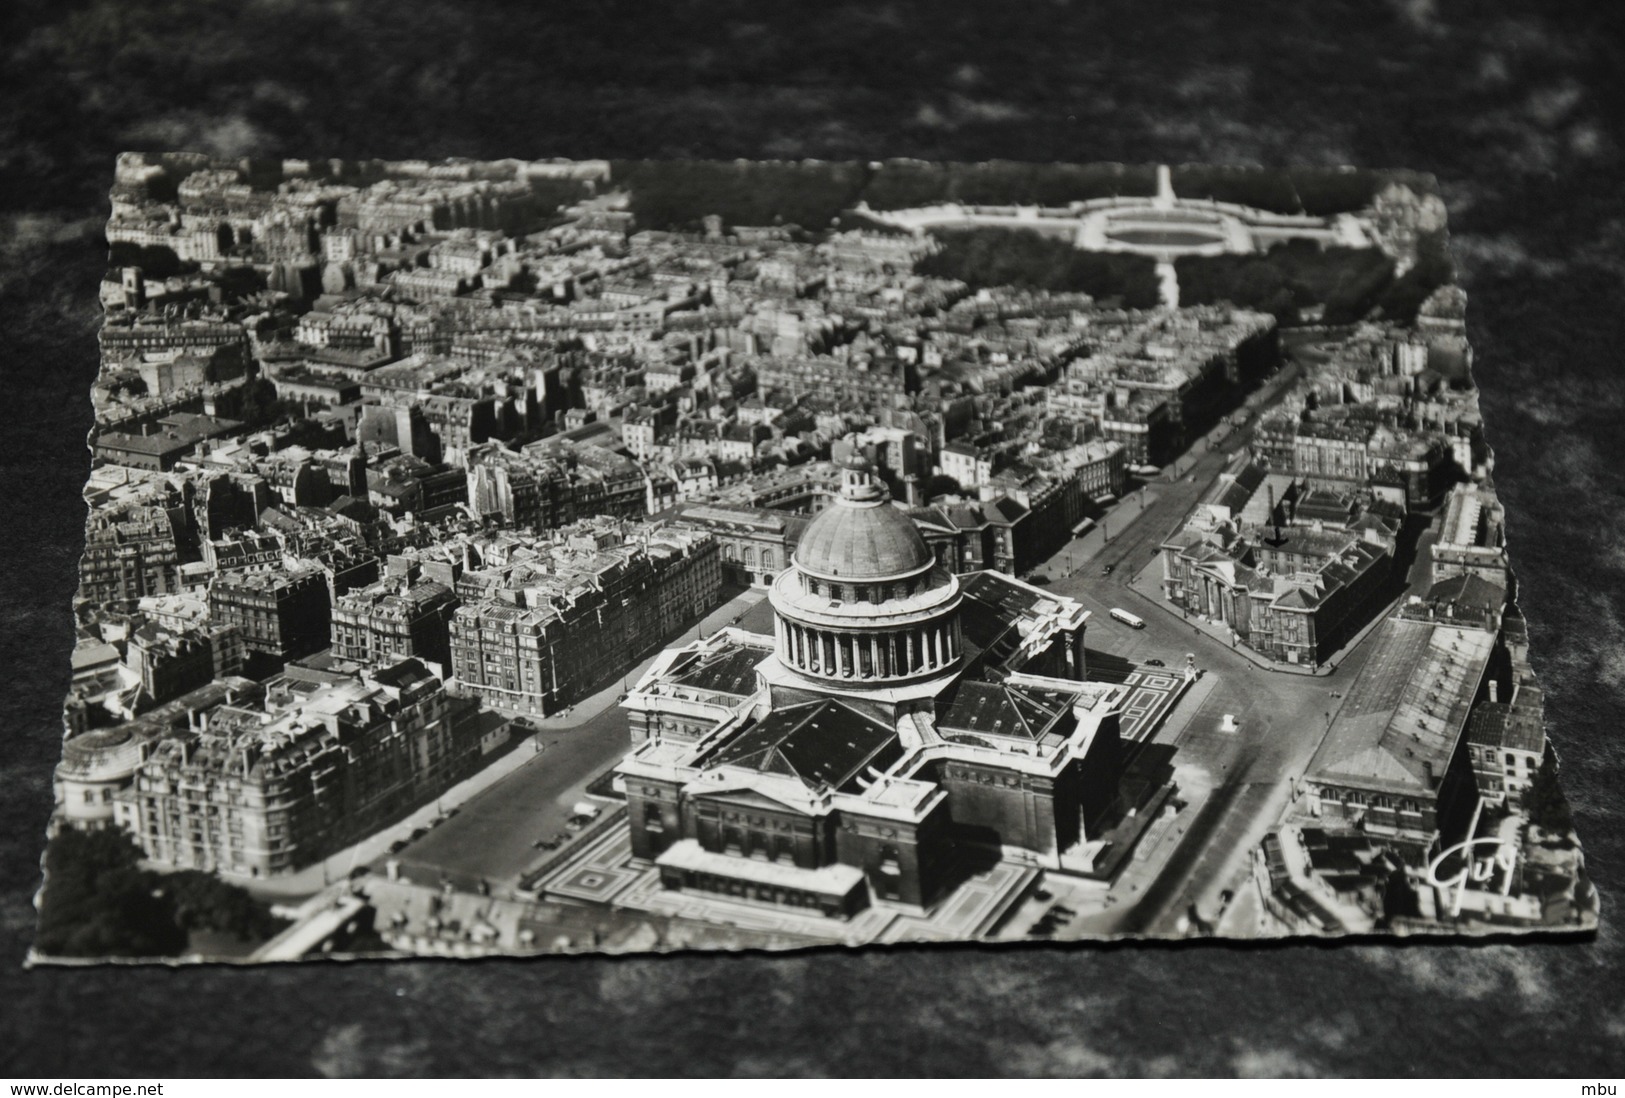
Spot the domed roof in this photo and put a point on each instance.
(101, 751)
(861, 536)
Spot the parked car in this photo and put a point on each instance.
(397, 846)
(1155, 663)
(1106, 571)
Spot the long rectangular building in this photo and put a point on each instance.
(1392, 764)
(540, 634)
(268, 784)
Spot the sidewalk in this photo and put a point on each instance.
(1147, 583)
(584, 709)
(1079, 552)
(337, 866)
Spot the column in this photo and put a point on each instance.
(883, 655)
(842, 656)
(940, 634)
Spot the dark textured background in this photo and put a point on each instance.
(1514, 106)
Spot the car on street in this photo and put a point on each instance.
(1155, 663)
(1106, 571)
(398, 845)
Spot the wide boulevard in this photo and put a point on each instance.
(1233, 784)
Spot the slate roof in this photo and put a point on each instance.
(732, 670)
(978, 709)
(822, 743)
(1471, 591)
(1235, 492)
(1403, 716)
(1507, 727)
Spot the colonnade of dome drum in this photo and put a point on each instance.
(922, 648)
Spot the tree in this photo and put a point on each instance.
(1028, 260)
(258, 405)
(1433, 268)
(678, 194)
(1290, 276)
(205, 902)
(1544, 802)
(98, 902)
(1256, 187)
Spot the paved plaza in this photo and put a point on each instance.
(604, 872)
